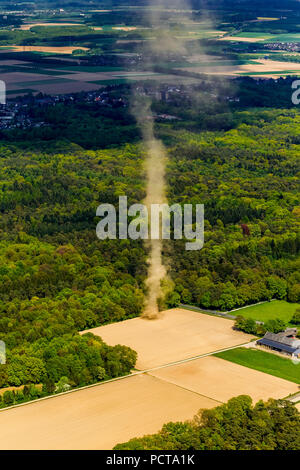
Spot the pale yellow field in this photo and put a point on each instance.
(177, 334)
(28, 26)
(53, 50)
(242, 39)
(266, 65)
(262, 18)
(298, 406)
(124, 28)
(222, 380)
(99, 417)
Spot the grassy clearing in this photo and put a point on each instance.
(264, 362)
(269, 310)
(253, 34)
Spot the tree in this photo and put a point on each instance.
(277, 286)
(275, 325)
(8, 398)
(62, 385)
(248, 325)
(296, 317)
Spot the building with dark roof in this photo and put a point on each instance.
(284, 342)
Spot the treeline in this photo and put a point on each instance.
(244, 177)
(236, 425)
(66, 361)
(87, 125)
(56, 277)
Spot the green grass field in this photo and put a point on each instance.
(269, 310)
(253, 34)
(264, 362)
(267, 37)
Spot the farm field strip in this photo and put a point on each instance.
(266, 362)
(21, 75)
(50, 49)
(265, 311)
(101, 415)
(176, 335)
(220, 380)
(98, 384)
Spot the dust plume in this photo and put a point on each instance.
(165, 44)
(155, 166)
(155, 194)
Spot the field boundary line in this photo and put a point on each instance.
(183, 388)
(226, 314)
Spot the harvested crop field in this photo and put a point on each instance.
(244, 39)
(99, 417)
(177, 334)
(50, 49)
(221, 380)
(264, 361)
(267, 65)
(28, 26)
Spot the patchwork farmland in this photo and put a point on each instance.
(173, 385)
(23, 75)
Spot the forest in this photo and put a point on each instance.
(56, 277)
(245, 177)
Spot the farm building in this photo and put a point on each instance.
(285, 342)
